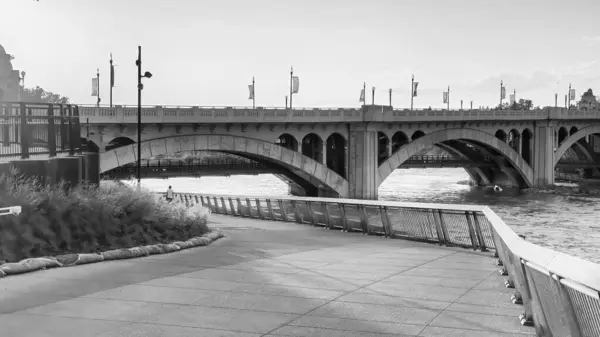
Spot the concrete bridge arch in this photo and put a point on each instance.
(521, 171)
(298, 167)
(573, 139)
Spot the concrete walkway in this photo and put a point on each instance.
(270, 279)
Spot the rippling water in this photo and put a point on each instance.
(564, 223)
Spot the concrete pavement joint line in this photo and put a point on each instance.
(130, 323)
(347, 293)
(441, 311)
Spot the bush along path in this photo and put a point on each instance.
(68, 260)
(60, 226)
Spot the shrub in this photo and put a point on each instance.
(86, 219)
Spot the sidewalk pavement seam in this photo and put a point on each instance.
(349, 292)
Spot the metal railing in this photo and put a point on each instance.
(29, 129)
(559, 292)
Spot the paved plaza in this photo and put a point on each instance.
(270, 279)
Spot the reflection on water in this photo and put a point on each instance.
(565, 223)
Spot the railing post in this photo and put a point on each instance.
(209, 203)
(311, 213)
(63, 129)
(567, 306)
(326, 215)
(258, 209)
(438, 228)
(297, 215)
(385, 220)
(283, 211)
(71, 140)
(536, 310)
(224, 206)
(270, 208)
(24, 132)
(76, 129)
(51, 131)
(364, 219)
(479, 233)
(233, 212)
(250, 208)
(240, 207)
(343, 217)
(471, 230)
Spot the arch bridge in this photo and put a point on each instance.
(350, 152)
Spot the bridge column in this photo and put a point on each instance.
(362, 164)
(543, 154)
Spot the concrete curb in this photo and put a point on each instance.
(69, 260)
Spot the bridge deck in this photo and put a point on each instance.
(270, 279)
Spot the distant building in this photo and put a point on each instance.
(9, 78)
(588, 101)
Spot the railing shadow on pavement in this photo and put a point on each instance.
(559, 292)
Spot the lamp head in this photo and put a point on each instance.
(147, 74)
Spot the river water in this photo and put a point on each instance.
(570, 224)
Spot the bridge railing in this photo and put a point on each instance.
(29, 129)
(559, 293)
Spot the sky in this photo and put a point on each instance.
(205, 52)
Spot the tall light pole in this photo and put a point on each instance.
(19, 88)
(140, 86)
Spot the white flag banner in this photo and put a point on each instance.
(362, 95)
(502, 93)
(94, 86)
(512, 98)
(251, 89)
(445, 97)
(295, 84)
(572, 94)
(414, 89)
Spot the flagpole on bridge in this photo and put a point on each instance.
(112, 80)
(253, 94)
(98, 85)
(412, 91)
(569, 98)
(501, 93)
(448, 103)
(291, 86)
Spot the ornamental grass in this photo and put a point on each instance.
(88, 219)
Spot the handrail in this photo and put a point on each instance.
(559, 292)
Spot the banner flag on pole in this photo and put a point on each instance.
(251, 89)
(512, 98)
(94, 86)
(503, 93)
(362, 95)
(414, 89)
(295, 84)
(445, 97)
(572, 94)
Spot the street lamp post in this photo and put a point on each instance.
(140, 86)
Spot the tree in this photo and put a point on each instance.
(522, 104)
(39, 95)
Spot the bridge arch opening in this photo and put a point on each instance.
(89, 146)
(335, 155)
(493, 161)
(287, 141)
(500, 134)
(383, 147)
(305, 175)
(312, 147)
(119, 142)
(399, 139)
(417, 134)
(527, 145)
(514, 140)
(573, 130)
(563, 134)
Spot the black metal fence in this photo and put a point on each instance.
(30, 129)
